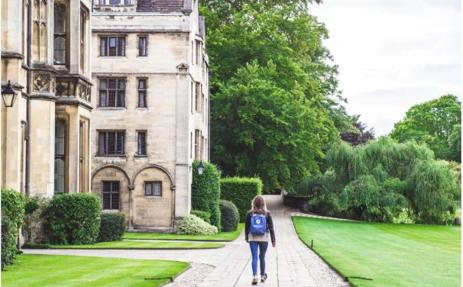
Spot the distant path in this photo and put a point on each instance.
(291, 263)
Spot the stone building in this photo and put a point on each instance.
(45, 135)
(151, 115)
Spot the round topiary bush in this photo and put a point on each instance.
(193, 225)
(73, 218)
(204, 215)
(112, 226)
(230, 215)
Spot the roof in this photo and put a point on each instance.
(164, 6)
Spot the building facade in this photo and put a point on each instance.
(151, 107)
(45, 135)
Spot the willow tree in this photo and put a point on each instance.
(436, 194)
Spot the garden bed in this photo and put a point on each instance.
(220, 237)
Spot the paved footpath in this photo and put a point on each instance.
(290, 264)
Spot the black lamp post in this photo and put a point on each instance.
(8, 95)
(200, 168)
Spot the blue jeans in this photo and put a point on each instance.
(261, 247)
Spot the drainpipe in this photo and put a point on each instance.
(28, 105)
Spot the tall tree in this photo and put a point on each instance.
(271, 82)
(432, 123)
(455, 143)
(271, 132)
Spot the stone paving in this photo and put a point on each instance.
(291, 263)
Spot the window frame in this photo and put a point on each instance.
(145, 48)
(61, 156)
(145, 133)
(143, 91)
(106, 140)
(112, 192)
(197, 144)
(152, 194)
(121, 3)
(84, 20)
(198, 95)
(120, 50)
(119, 93)
(64, 35)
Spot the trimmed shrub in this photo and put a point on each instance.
(33, 228)
(206, 191)
(240, 191)
(73, 218)
(112, 226)
(9, 236)
(12, 219)
(206, 216)
(193, 225)
(13, 206)
(230, 215)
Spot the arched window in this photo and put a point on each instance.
(60, 33)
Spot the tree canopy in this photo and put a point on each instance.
(273, 89)
(436, 123)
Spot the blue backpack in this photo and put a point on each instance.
(258, 224)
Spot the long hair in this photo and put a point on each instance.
(259, 205)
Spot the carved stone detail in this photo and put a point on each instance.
(42, 82)
(73, 87)
(85, 92)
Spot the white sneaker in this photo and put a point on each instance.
(263, 278)
(254, 280)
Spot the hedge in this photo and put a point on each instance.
(112, 226)
(73, 218)
(206, 191)
(241, 191)
(12, 219)
(230, 216)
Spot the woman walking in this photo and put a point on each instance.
(259, 225)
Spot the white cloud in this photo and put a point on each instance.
(393, 54)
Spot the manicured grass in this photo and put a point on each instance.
(143, 244)
(390, 255)
(78, 271)
(220, 237)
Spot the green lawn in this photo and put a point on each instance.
(143, 244)
(77, 271)
(220, 237)
(390, 255)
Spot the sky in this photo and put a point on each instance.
(393, 54)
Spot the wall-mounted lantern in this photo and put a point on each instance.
(200, 168)
(8, 95)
